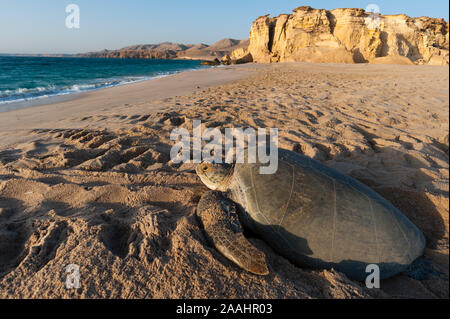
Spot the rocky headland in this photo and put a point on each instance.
(347, 36)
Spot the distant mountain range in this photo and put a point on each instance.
(169, 50)
(165, 50)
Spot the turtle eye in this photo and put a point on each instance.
(205, 168)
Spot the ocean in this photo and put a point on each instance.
(31, 78)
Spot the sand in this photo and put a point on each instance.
(89, 181)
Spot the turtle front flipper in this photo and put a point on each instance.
(222, 226)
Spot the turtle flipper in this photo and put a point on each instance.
(221, 223)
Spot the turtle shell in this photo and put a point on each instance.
(318, 217)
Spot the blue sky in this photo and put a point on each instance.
(38, 26)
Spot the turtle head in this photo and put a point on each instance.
(215, 176)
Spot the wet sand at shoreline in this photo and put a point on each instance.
(125, 98)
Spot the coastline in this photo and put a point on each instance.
(60, 92)
(90, 181)
(60, 97)
(54, 112)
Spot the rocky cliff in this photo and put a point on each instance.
(348, 36)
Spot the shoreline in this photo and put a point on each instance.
(56, 109)
(6, 106)
(70, 111)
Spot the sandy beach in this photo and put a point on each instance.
(121, 100)
(89, 181)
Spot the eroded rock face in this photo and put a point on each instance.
(346, 36)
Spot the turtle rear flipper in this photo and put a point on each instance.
(222, 226)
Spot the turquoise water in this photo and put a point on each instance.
(29, 78)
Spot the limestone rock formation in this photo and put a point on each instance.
(211, 63)
(247, 58)
(226, 60)
(346, 36)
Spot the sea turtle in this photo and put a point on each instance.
(307, 212)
